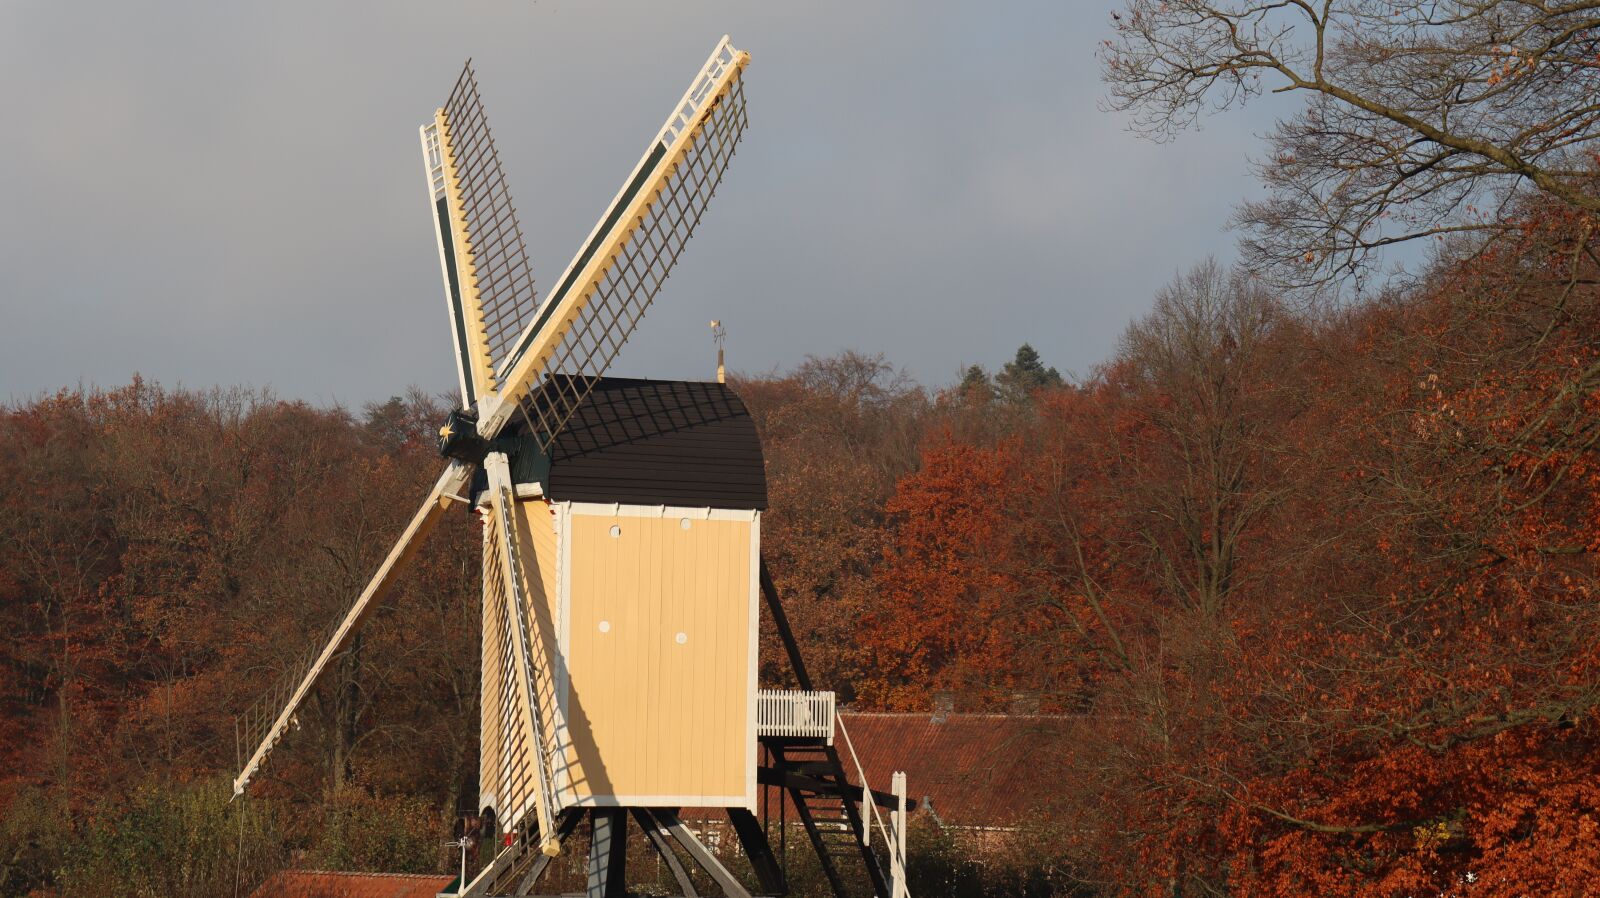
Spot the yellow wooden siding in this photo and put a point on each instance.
(652, 720)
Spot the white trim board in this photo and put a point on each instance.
(623, 510)
(667, 801)
(753, 685)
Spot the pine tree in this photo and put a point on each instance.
(975, 378)
(1025, 375)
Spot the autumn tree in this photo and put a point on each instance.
(838, 433)
(167, 556)
(1440, 692)
(944, 613)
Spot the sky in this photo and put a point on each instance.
(232, 194)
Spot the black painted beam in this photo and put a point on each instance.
(790, 779)
(608, 853)
(565, 826)
(659, 841)
(781, 622)
(668, 822)
(756, 847)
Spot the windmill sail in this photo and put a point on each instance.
(618, 270)
(482, 253)
(444, 491)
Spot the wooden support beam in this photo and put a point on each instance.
(785, 778)
(756, 847)
(659, 841)
(608, 853)
(780, 622)
(569, 822)
(668, 822)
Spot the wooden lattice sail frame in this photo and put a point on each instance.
(483, 255)
(631, 251)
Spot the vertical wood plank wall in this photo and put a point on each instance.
(637, 718)
(651, 720)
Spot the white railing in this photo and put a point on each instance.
(795, 714)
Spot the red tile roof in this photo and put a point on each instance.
(972, 769)
(326, 884)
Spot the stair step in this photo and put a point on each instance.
(820, 769)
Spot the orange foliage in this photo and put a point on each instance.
(1320, 592)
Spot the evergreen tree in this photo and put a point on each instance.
(1025, 375)
(975, 384)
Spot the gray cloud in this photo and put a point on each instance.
(217, 193)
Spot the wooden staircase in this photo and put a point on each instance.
(809, 771)
(829, 807)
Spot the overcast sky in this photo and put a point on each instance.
(221, 193)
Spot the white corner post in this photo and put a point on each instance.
(866, 809)
(897, 857)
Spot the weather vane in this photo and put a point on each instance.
(719, 334)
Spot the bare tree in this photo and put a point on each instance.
(1211, 349)
(1424, 117)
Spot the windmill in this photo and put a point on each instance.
(622, 578)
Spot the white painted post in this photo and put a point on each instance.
(866, 812)
(897, 859)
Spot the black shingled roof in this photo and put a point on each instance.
(657, 442)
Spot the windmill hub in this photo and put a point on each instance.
(459, 438)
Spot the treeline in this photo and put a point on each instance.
(166, 557)
(1312, 586)
(1316, 584)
